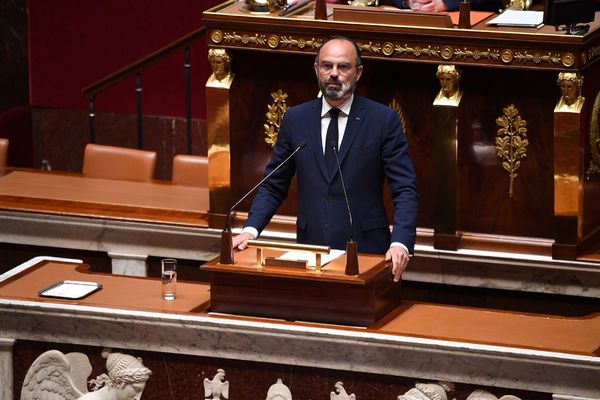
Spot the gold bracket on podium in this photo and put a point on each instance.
(261, 261)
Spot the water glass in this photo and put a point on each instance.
(168, 278)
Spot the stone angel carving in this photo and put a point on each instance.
(480, 394)
(340, 393)
(54, 375)
(217, 387)
(429, 391)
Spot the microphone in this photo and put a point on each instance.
(351, 246)
(226, 236)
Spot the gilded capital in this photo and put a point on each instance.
(449, 77)
(570, 92)
(220, 62)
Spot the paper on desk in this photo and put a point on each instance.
(310, 257)
(518, 18)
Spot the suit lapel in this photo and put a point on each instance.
(314, 126)
(355, 120)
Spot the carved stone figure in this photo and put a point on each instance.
(429, 391)
(126, 378)
(340, 393)
(56, 376)
(278, 391)
(216, 387)
(220, 61)
(484, 395)
(570, 89)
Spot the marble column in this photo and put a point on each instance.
(6, 368)
(128, 264)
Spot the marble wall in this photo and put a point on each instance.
(179, 376)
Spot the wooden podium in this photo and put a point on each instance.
(298, 294)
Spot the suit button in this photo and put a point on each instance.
(330, 198)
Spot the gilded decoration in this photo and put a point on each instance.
(216, 36)
(391, 49)
(593, 52)
(537, 58)
(511, 142)
(275, 112)
(313, 43)
(449, 77)
(594, 167)
(233, 37)
(568, 59)
(507, 56)
(477, 54)
(395, 105)
(220, 62)
(570, 84)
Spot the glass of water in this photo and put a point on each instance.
(169, 278)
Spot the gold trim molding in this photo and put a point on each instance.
(275, 112)
(511, 142)
(405, 50)
(594, 167)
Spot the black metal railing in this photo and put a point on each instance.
(136, 69)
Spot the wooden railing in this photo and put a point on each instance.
(136, 69)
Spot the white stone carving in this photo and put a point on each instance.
(216, 387)
(428, 391)
(56, 376)
(480, 394)
(278, 391)
(340, 393)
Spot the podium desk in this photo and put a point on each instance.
(504, 350)
(507, 73)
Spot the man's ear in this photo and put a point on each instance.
(316, 69)
(359, 71)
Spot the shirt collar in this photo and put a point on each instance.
(345, 108)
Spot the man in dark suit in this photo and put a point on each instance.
(372, 147)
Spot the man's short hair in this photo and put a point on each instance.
(339, 37)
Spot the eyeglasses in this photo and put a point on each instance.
(343, 68)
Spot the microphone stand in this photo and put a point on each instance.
(226, 255)
(351, 245)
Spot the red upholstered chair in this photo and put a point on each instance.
(190, 170)
(120, 163)
(3, 152)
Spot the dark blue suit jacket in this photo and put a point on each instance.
(373, 148)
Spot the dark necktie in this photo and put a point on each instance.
(331, 139)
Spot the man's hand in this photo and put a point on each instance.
(427, 5)
(241, 241)
(399, 258)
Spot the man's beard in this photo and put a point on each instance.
(335, 93)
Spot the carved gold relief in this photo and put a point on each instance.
(593, 52)
(216, 36)
(418, 51)
(537, 58)
(594, 167)
(244, 39)
(395, 105)
(313, 43)
(507, 56)
(274, 115)
(568, 59)
(511, 142)
(477, 54)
